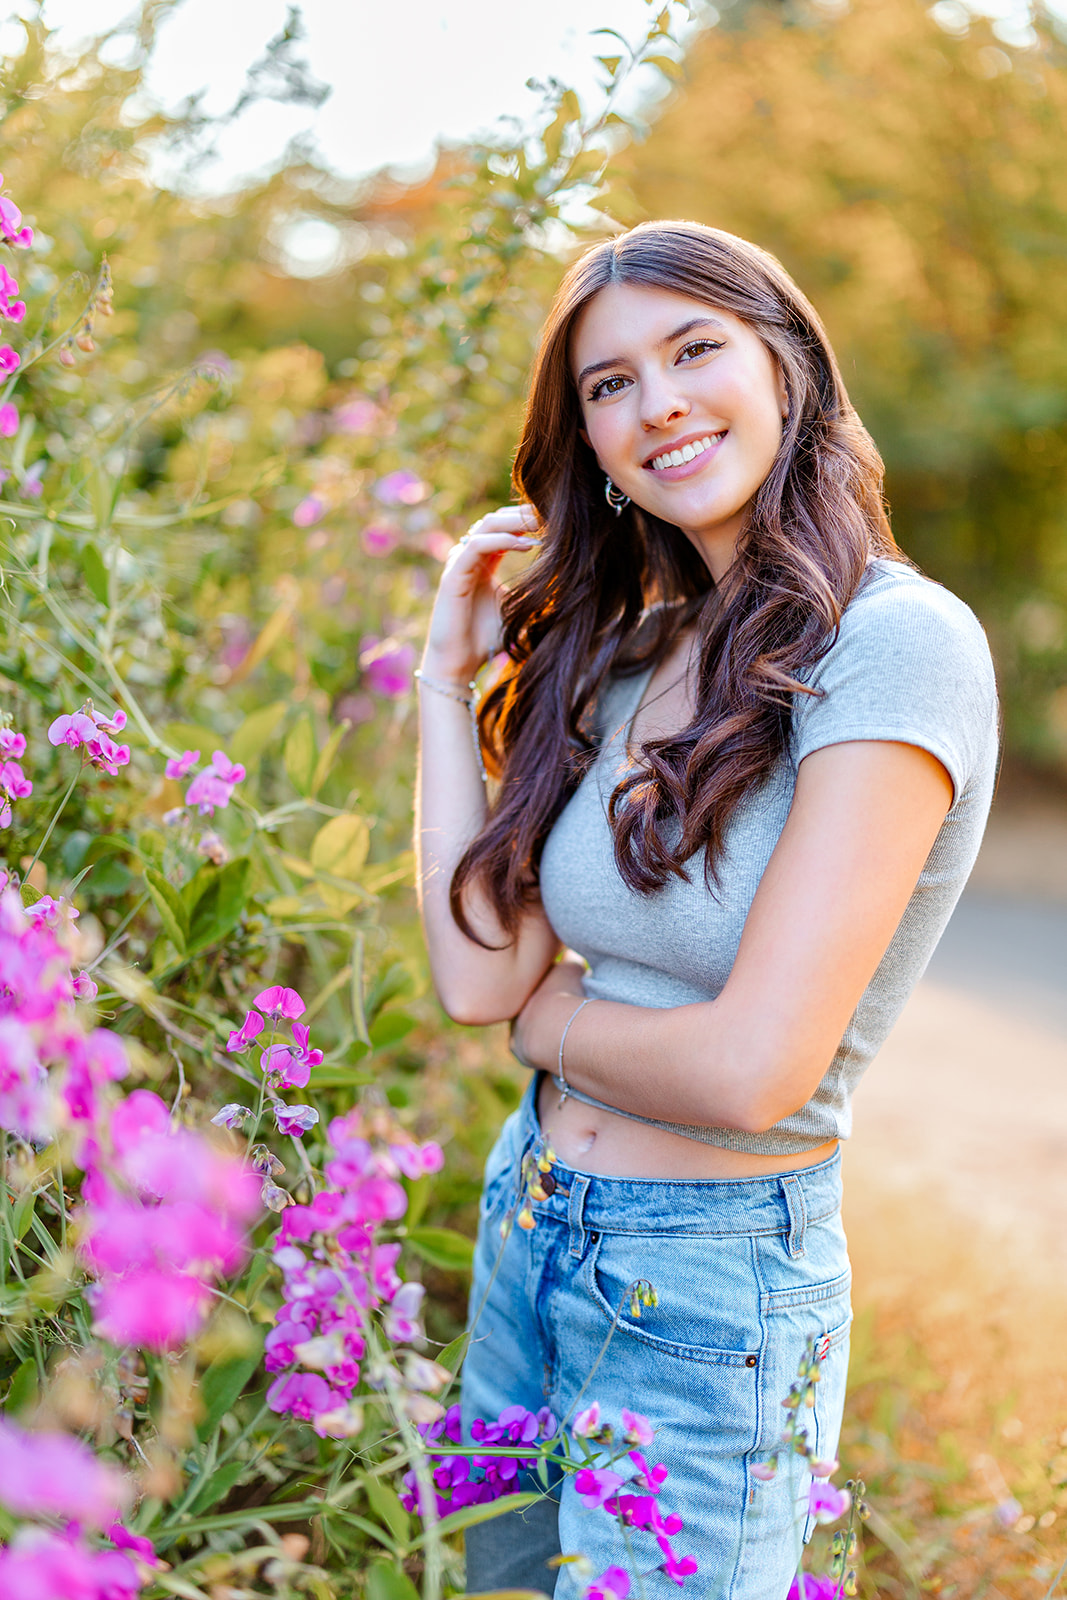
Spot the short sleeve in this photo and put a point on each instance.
(911, 664)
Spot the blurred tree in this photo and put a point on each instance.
(910, 168)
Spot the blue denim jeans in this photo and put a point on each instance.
(746, 1272)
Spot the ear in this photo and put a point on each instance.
(783, 395)
(584, 437)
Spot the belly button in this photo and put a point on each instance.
(588, 1143)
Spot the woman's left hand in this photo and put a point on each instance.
(536, 1031)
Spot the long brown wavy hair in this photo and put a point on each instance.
(608, 593)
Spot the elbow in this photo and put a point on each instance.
(765, 1094)
(470, 1007)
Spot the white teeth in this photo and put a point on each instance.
(688, 452)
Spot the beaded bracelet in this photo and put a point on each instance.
(559, 1080)
(467, 700)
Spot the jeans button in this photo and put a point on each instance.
(751, 1361)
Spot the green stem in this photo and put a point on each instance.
(59, 812)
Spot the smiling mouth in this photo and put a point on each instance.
(686, 452)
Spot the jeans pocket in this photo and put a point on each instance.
(706, 1301)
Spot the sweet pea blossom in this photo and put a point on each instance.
(180, 766)
(279, 1002)
(389, 665)
(11, 229)
(379, 539)
(637, 1429)
(295, 1120)
(92, 730)
(587, 1422)
(9, 420)
(215, 785)
(10, 307)
(594, 1485)
(10, 360)
(815, 1588)
(826, 1503)
(84, 987)
(401, 488)
(250, 1029)
(232, 1115)
(49, 1474)
(283, 1068)
(310, 510)
(355, 416)
(43, 1564)
(614, 1584)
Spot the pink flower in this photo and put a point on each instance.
(765, 1471)
(123, 1539)
(232, 1115)
(815, 1588)
(84, 987)
(9, 420)
(179, 766)
(587, 1422)
(107, 755)
(389, 665)
(55, 1475)
(594, 1485)
(215, 785)
(284, 1068)
(355, 416)
(73, 729)
(41, 1564)
(439, 544)
(379, 539)
(677, 1568)
(309, 511)
(302, 1052)
(614, 1584)
(401, 489)
(278, 1002)
(826, 1503)
(9, 359)
(12, 744)
(13, 781)
(250, 1029)
(637, 1429)
(11, 229)
(295, 1120)
(150, 1307)
(14, 309)
(402, 1322)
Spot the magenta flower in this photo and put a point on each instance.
(301, 1394)
(179, 766)
(401, 488)
(250, 1029)
(278, 1002)
(309, 511)
(151, 1307)
(12, 744)
(303, 1052)
(587, 1422)
(379, 539)
(594, 1485)
(355, 416)
(11, 229)
(11, 308)
(9, 359)
(215, 785)
(42, 1564)
(614, 1584)
(229, 771)
(765, 1471)
(284, 1068)
(389, 665)
(9, 420)
(73, 729)
(13, 781)
(675, 1567)
(826, 1503)
(402, 1322)
(141, 1547)
(55, 1475)
(295, 1120)
(815, 1588)
(84, 987)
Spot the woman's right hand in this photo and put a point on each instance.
(465, 623)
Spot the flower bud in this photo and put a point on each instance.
(84, 341)
(66, 355)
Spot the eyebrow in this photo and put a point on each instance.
(678, 333)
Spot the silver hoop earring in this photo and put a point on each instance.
(614, 495)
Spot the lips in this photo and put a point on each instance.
(676, 459)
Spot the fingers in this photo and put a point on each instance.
(518, 522)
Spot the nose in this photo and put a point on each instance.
(662, 402)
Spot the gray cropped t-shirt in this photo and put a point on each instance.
(910, 664)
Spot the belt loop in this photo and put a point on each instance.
(793, 1192)
(574, 1216)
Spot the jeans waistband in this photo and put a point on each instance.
(783, 1202)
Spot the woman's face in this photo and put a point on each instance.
(659, 373)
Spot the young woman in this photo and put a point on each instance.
(744, 753)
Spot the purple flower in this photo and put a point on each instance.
(826, 1503)
(278, 1002)
(675, 1567)
(11, 308)
(9, 359)
(815, 1588)
(84, 987)
(12, 744)
(389, 665)
(309, 511)
(9, 420)
(301, 1394)
(355, 416)
(594, 1485)
(11, 229)
(295, 1119)
(179, 766)
(42, 1564)
(251, 1028)
(303, 1052)
(401, 488)
(215, 785)
(284, 1068)
(587, 1422)
(402, 1316)
(232, 1115)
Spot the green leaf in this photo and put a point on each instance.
(611, 63)
(667, 65)
(220, 1387)
(300, 755)
(169, 904)
(95, 573)
(385, 1503)
(189, 736)
(218, 909)
(326, 759)
(23, 1390)
(22, 1217)
(471, 1515)
(340, 848)
(390, 1028)
(218, 1486)
(442, 1247)
(107, 844)
(389, 985)
(389, 1583)
(256, 733)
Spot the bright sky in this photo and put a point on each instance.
(402, 76)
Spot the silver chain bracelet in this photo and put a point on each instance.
(452, 693)
(559, 1080)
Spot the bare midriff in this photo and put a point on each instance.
(612, 1146)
